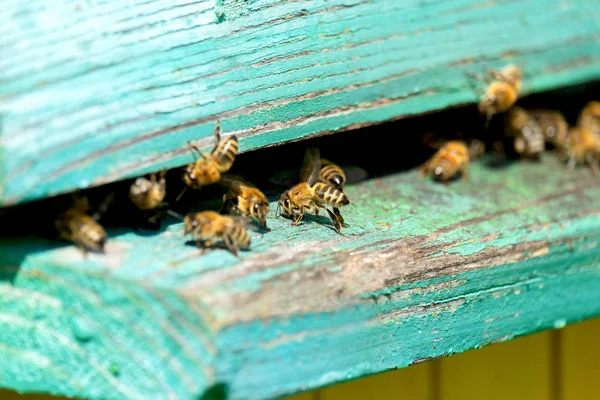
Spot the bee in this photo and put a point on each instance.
(208, 169)
(553, 125)
(582, 147)
(332, 175)
(502, 92)
(589, 118)
(245, 199)
(210, 227)
(452, 158)
(148, 194)
(311, 194)
(76, 226)
(528, 139)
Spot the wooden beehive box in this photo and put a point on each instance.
(95, 92)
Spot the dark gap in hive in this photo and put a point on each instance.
(378, 150)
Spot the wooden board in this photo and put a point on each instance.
(425, 270)
(92, 92)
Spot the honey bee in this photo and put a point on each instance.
(582, 147)
(245, 199)
(210, 227)
(589, 118)
(208, 169)
(528, 139)
(148, 194)
(553, 125)
(332, 175)
(310, 194)
(452, 158)
(76, 226)
(502, 92)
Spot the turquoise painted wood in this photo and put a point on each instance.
(95, 91)
(425, 270)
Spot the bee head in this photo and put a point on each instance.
(190, 224)
(260, 211)
(284, 207)
(440, 173)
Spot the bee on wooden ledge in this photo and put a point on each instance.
(210, 227)
(311, 194)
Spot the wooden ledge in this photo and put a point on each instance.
(425, 270)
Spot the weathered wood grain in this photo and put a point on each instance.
(91, 92)
(425, 270)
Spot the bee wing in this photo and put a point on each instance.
(311, 167)
(234, 182)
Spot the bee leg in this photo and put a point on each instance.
(593, 163)
(317, 212)
(571, 163)
(298, 218)
(423, 168)
(230, 244)
(339, 217)
(218, 131)
(463, 173)
(195, 150)
(336, 223)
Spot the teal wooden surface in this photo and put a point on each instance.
(92, 92)
(425, 270)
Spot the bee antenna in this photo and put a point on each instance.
(278, 212)
(488, 118)
(175, 215)
(181, 194)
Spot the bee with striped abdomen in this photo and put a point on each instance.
(452, 158)
(210, 227)
(502, 91)
(208, 168)
(553, 125)
(589, 117)
(583, 147)
(332, 174)
(311, 194)
(76, 226)
(148, 194)
(526, 133)
(244, 198)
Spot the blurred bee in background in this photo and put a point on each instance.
(208, 169)
(148, 194)
(553, 125)
(76, 226)
(311, 194)
(332, 175)
(209, 227)
(502, 91)
(244, 198)
(582, 147)
(525, 132)
(452, 158)
(589, 118)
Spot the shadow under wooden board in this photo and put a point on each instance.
(116, 89)
(424, 270)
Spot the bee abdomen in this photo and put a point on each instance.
(329, 195)
(334, 175)
(240, 236)
(225, 153)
